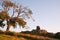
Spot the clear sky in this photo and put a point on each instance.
(45, 12)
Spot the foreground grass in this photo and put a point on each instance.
(8, 37)
(22, 36)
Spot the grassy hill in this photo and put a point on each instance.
(22, 36)
(7, 37)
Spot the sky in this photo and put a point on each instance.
(45, 12)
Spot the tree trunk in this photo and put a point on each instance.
(8, 26)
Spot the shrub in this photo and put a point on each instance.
(57, 35)
(10, 33)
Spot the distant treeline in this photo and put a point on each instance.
(51, 35)
(40, 32)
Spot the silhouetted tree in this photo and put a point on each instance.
(57, 35)
(22, 14)
(38, 28)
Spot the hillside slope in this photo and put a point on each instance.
(22, 36)
(8, 37)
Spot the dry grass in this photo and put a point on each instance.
(34, 37)
(22, 36)
(7, 37)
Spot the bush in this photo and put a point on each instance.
(57, 35)
(10, 33)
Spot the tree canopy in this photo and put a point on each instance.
(21, 11)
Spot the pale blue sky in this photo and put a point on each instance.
(45, 12)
